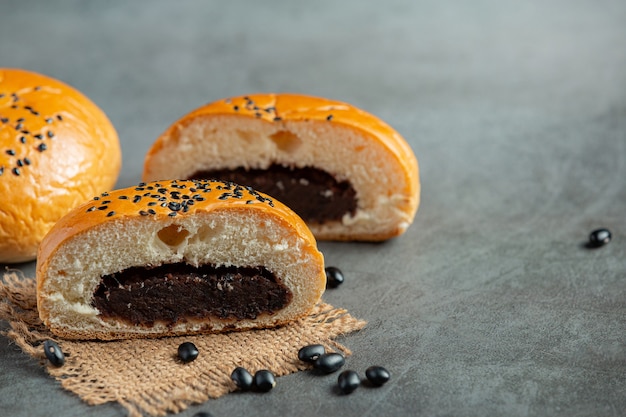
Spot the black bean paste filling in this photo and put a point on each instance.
(312, 193)
(174, 293)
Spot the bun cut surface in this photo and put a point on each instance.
(57, 148)
(177, 257)
(347, 173)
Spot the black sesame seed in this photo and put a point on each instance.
(21, 119)
(19, 126)
(38, 136)
(242, 378)
(257, 114)
(105, 202)
(26, 132)
(278, 119)
(37, 88)
(202, 414)
(92, 208)
(103, 207)
(27, 161)
(152, 204)
(264, 380)
(174, 206)
(42, 147)
(142, 184)
(137, 199)
(1, 170)
(599, 237)
(123, 197)
(53, 353)
(172, 214)
(143, 213)
(105, 194)
(16, 171)
(4, 120)
(96, 198)
(20, 163)
(23, 139)
(151, 211)
(187, 352)
(377, 375)
(310, 353)
(10, 152)
(50, 134)
(49, 120)
(334, 277)
(329, 362)
(348, 381)
(59, 117)
(329, 117)
(110, 213)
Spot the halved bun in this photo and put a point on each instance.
(347, 173)
(110, 268)
(57, 148)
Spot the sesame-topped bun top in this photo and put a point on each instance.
(295, 132)
(56, 149)
(182, 227)
(164, 201)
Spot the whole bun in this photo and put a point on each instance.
(347, 173)
(57, 148)
(177, 257)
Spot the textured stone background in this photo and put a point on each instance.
(490, 304)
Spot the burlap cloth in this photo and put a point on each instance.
(144, 376)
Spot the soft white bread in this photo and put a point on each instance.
(260, 132)
(57, 148)
(192, 224)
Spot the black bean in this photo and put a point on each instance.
(334, 277)
(599, 237)
(377, 375)
(348, 381)
(264, 380)
(329, 362)
(203, 414)
(53, 353)
(187, 352)
(242, 378)
(311, 353)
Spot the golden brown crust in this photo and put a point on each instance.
(285, 109)
(57, 148)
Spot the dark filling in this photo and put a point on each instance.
(313, 194)
(177, 292)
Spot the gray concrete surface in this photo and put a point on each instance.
(490, 305)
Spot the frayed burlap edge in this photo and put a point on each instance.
(145, 376)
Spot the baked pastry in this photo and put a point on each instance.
(177, 257)
(57, 148)
(347, 173)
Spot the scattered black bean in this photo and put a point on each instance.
(599, 237)
(329, 362)
(264, 380)
(377, 375)
(53, 353)
(310, 353)
(334, 277)
(242, 378)
(187, 352)
(203, 414)
(348, 381)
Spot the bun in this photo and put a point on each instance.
(348, 174)
(57, 148)
(199, 256)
